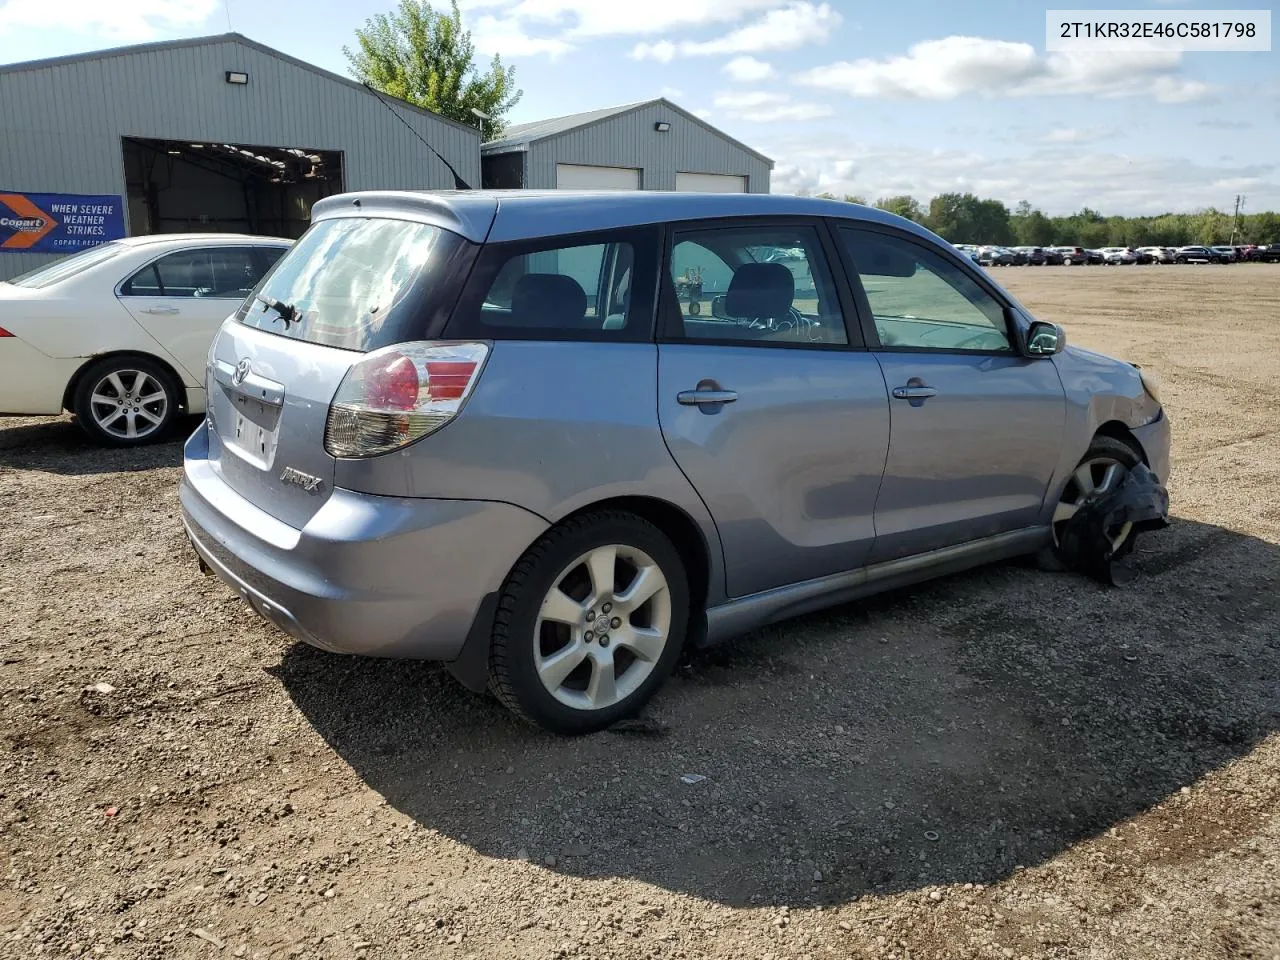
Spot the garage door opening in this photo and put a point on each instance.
(176, 186)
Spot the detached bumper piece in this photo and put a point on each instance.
(1095, 541)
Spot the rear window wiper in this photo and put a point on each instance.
(287, 311)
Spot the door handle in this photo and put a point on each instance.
(161, 311)
(914, 392)
(692, 398)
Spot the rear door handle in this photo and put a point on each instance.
(914, 392)
(693, 398)
(161, 311)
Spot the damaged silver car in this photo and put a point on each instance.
(554, 439)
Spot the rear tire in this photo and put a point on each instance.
(1102, 451)
(127, 401)
(579, 641)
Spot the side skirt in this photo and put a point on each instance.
(745, 614)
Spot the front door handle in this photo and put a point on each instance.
(693, 398)
(914, 393)
(161, 311)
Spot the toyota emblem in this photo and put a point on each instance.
(242, 371)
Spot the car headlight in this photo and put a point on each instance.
(1150, 383)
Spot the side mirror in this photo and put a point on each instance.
(717, 307)
(1045, 339)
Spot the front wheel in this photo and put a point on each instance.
(1103, 468)
(127, 401)
(590, 622)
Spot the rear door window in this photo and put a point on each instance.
(360, 283)
(769, 284)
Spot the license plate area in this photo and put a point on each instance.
(255, 430)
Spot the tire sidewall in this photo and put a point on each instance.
(1102, 446)
(94, 374)
(534, 700)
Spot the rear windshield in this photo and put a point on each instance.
(358, 283)
(67, 267)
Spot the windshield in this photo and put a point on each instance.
(357, 283)
(66, 267)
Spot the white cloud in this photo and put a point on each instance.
(1077, 135)
(976, 66)
(793, 26)
(1059, 179)
(664, 51)
(762, 106)
(119, 21)
(506, 37)
(749, 70)
(597, 18)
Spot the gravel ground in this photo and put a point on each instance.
(1002, 764)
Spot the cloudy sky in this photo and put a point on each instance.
(848, 97)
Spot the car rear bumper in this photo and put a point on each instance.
(378, 576)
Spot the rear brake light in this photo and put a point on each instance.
(400, 394)
(5, 333)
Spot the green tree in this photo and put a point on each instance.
(427, 58)
(1031, 228)
(904, 206)
(964, 218)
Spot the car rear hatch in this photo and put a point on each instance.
(350, 285)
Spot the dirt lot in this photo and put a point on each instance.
(1003, 764)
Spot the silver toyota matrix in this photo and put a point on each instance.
(554, 439)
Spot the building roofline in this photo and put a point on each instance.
(522, 143)
(223, 38)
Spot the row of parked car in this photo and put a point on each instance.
(996, 256)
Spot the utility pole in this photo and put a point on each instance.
(1235, 219)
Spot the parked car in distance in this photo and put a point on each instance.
(992, 256)
(475, 454)
(118, 333)
(1117, 256)
(1228, 254)
(969, 250)
(1156, 254)
(1034, 256)
(1053, 256)
(1197, 254)
(1266, 254)
(1072, 256)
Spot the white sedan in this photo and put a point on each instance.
(118, 333)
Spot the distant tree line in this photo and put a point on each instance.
(965, 218)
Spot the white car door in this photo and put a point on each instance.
(182, 298)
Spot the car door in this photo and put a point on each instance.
(975, 426)
(182, 298)
(768, 401)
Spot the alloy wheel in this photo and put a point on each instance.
(602, 627)
(129, 404)
(1094, 477)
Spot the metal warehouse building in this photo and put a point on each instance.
(652, 145)
(211, 134)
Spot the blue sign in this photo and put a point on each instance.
(58, 222)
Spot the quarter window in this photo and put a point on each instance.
(769, 284)
(920, 300)
(562, 290)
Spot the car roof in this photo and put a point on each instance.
(157, 238)
(503, 215)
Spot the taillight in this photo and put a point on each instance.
(401, 394)
(5, 333)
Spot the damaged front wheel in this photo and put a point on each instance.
(1101, 470)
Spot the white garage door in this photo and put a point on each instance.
(710, 183)
(572, 176)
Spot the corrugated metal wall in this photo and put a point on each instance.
(61, 125)
(631, 141)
